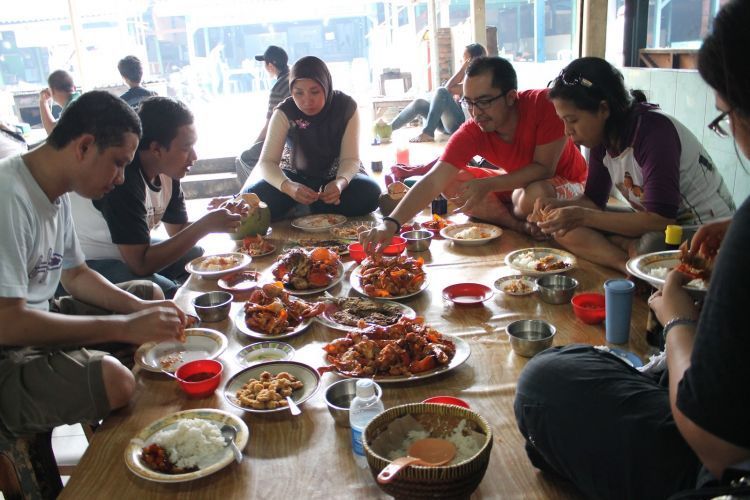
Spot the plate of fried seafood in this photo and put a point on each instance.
(340, 246)
(347, 312)
(256, 246)
(471, 233)
(272, 313)
(305, 272)
(240, 281)
(351, 230)
(318, 223)
(540, 261)
(216, 266)
(653, 268)
(436, 224)
(263, 388)
(200, 343)
(184, 446)
(516, 284)
(406, 350)
(394, 278)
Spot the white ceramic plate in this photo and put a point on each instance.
(327, 319)
(350, 231)
(501, 284)
(200, 343)
(318, 223)
(306, 374)
(195, 266)
(311, 291)
(354, 282)
(513, 259)
(338, 245)
(260, 352)
(642, 266)
(462, 354)
(269, 250)
(450, 232)
(222, 459)
(239, 323)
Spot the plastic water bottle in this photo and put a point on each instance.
(365, 406)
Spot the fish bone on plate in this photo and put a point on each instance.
(200, 343)
(318, 223)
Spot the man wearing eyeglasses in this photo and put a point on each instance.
(519, 132)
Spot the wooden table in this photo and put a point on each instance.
(308, 456)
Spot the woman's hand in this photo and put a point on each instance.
(331, 193)
(45, 95)
(708, 238)
(558, 221)
(672, 301)
(299, 192)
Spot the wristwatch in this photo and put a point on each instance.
(677, 320)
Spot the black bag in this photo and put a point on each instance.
(735, 483)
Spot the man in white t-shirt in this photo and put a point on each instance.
(46, 378)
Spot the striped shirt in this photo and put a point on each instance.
(279, 92)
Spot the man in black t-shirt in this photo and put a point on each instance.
(115, 232)
(131, 71)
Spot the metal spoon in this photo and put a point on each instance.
(293, 406)
(230, 434)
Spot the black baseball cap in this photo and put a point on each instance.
(275, 55)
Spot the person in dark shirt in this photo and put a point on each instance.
(618, 433)
(131, 71)
(115, 232)
(277, 65)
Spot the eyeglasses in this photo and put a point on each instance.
(720, 125)
(571, 79)
(480, 103)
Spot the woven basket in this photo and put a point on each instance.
(448, 481)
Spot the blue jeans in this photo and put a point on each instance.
(591, 418)
(442, 112)
(359, 198)
(169, 279)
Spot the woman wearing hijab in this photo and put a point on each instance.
(311, 154)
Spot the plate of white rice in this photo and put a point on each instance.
(192, 438)
(654, 267)
(471, 233)
(528, 260)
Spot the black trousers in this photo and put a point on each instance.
(359, 198)
(591, 418)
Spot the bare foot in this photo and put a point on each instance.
(422, 138)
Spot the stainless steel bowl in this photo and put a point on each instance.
(339, 396)
(417, 241)
(556, 288)
(530, 336)
(213, 306)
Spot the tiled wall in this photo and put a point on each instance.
(684, 95)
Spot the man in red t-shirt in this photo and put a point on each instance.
(517, 131)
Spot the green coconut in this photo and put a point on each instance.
(258, 218)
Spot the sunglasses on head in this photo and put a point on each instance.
(571, 79)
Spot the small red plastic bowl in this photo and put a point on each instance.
(200, 378)
(397, 245)
(447, 400)
(589, 307)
